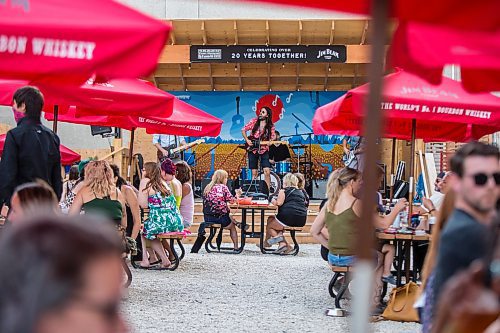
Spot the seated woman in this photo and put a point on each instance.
(341, 216)
(183, 174)
(73, 191)
(32, 199)
(302, 186)
(216, 197)
(131, 203)
(292, 212)
(100, 196)
(163, 214)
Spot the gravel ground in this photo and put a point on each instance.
(240, 293)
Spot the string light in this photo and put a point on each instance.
(189, 67)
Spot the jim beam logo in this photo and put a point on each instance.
(328, 54)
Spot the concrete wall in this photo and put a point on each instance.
(219, 9)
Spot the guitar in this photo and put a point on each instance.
(237, 121)
(174, 152)
(256, 143)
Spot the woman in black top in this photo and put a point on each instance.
(292, 212)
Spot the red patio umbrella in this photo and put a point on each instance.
(61, 40)
(119, 97)
(68, 156)
(415, 109)
(443, 113)
(480, 15)
(424, 50)
(185, 120)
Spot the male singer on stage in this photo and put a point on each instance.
(261, 129)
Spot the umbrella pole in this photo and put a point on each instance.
(130, 153)
(372, 128)
(56, 113)
(412, 168)
(393, 162)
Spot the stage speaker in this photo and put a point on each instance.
(319, 189)
(100, 130)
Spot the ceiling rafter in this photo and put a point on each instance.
(235, 27)
(183, 79)
(204, 33)
(363, 35)
(327, 72)
(268, 39)
(240, 81)
(210, 76)
(300, 33)
(297, 77)
(268, 76)
(332, 33)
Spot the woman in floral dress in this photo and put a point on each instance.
(164, 215)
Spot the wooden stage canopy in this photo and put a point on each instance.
(175, 72)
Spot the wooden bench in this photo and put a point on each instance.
(172, 238)
(340, 272)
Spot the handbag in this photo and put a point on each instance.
(400, 306)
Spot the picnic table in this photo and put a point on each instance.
(403, 243)
(255, 210)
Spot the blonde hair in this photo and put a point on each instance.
(99, 178)
(290, 180)
(219, 177)
(337, 181)
(302, 181)
(444, 213)
(155, 182)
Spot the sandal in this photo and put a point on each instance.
(281, 250)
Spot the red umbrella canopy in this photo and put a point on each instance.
(424, 49)
(443, 113)
(118, 97)
(72, 40)
(68, 156)
(479, 15)
(185, 120)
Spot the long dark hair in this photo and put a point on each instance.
(51, 256)
(116, 173)
(269, 125)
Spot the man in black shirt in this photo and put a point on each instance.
(31, 150)
(475, 181)
(278, 152)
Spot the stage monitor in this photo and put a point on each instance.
(100, 130)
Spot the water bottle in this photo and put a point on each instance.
(403, 218)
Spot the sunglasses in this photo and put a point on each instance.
(482, 178)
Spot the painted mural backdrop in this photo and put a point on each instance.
(292, 113)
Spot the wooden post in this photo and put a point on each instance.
(56, 113)
(130, 153)
(372, 128)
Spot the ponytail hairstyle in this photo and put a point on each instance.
(337, 181)
(219, 177)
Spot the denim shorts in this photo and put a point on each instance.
(336, 260)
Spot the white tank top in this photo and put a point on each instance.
(187, 208)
